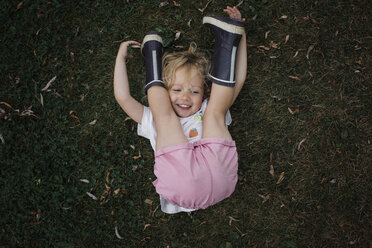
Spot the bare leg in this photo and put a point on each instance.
(168, 127)
(227, 33)
(214, 117)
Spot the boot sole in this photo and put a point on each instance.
(151, 37)
(227, 24)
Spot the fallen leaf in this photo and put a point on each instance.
(264, 47)
(107, 177)
(41, 100)
(299, 144)
(72, 56)
(19, 5)
(137, 157)
(133, 147)
(49, 83)
(267, 34)
(281, 177)
(177, 36)
(2, 139)
(311, 47)
(72, 115)
(283, 17)
(117, 233)
(274, 44)
(296, 111)
(265, 198)
(145, 227)
(205, 7)
(294, 77)
(92, 122)
(8, 105)
(116, 191)
(148, 201)
(314, 21)
(294, 56)
(189, 23)
(286, 38)
(176, 4)
(92, 196)
(35, 223)
(272, 172)
(84, 180)
(231, 219)
(162, 4)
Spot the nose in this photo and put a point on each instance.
(184, 95)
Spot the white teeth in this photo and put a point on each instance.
(184, 106)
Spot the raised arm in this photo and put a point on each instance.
(241, 56)
(121, 84)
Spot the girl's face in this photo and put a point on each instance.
(186, 91)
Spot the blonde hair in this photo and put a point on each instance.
(190, 59)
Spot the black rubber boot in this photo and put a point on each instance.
(227, 33)
(152, 50)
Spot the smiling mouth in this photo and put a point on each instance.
(184, 106)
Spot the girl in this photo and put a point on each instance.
(195, 157)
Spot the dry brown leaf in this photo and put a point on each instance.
(145, 227)
(324, 180)
(205, 7)
(314, 21)
(286, 38)
(281, 177)
(73, 115)
(311, 47)
(267, 34)
(274, 44)
(8, 105)
(49, 83)
(296, 111)
(116, 191)
(264, 47)
(272, 172)
(148, 201)
(176, 4)
(107, 177)
(137, 157)
(19, 5)
(162, 4)
(294, 77)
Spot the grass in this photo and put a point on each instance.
(305, 111)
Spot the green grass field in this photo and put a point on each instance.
(302, 125)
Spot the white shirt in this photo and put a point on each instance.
(192, 126)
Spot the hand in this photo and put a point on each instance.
(123, 50)
(234, 13)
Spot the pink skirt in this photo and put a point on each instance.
(197, 175)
